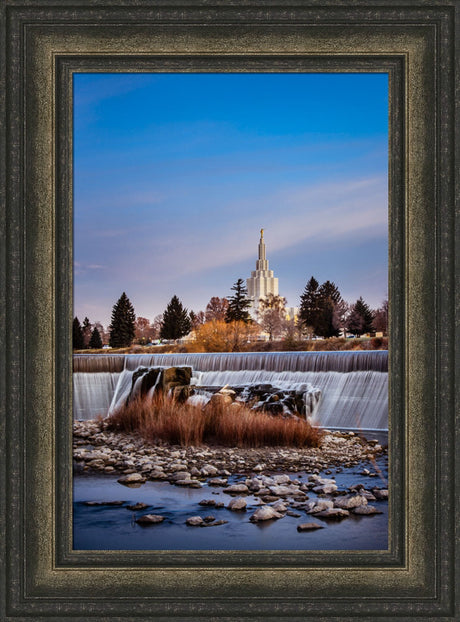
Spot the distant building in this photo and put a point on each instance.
(261, 282)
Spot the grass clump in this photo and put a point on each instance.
(234, 425)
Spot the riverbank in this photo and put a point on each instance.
(131, 495)
(101, 450)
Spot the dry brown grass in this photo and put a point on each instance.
(165, 419)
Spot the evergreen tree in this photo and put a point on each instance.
(360, 319)
(176, 320)
(329, 298)
(238, 304)
(309, 306)
(77, 335)
(122, 324)
(86, 328)
(95, 341)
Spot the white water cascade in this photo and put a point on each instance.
(354, 385)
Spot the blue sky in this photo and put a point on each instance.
(175, 175)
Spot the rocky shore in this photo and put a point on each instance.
(270, 482)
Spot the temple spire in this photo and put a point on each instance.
(262, 282)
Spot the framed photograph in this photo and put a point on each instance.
(48, 53)
(253, 396)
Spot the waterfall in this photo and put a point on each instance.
(354, 384)
(93, 393)
(341, 361)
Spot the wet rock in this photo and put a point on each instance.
(293, 514)
(150, 519)
(380, 493)
(334, 513)
(237, 505)
(217, 481)
(236, 489)
(284, 491)
(312, 507)
(207, 502)
(137, 506)
(194, 521)
(215, 523)
(177, 466)
(180, 475)
(209, 519)
(309, 527)
(281, 479)
(280, 506)
(208, 470)
(131, 478)
(325, 489)
(157, 475)
(350, 501)
(367, 510)
(188, 483)
(265, 513)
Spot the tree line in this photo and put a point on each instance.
(322, 313)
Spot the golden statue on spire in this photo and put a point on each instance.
(261, 233)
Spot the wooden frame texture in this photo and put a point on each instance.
(44, 43)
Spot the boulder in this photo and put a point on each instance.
(131, 478)
(313, 507)
(350, 501)
(235, 489)
(237, 505)
(309, 527)
(194, 521)
(137, 506)
(208, 470)
(334, 513)
(150, 519)
(380, 493)
(265, 513)
(366, 510)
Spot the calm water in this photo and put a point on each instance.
(114, 528)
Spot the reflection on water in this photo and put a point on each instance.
(114, 528)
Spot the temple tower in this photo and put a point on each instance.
(261, 282)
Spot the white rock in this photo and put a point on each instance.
(309, 526)
(350, 501)
(281, 479)
(194, 521)
(366, 510)
(208, 470)
(326, 489)
(279, 506)
(283, 491)
(314, 507)
(265, 513)
(238, 504)
(132, 478)
(236, 488)
(334, 513)
(150, 519)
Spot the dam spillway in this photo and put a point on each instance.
(354, 384)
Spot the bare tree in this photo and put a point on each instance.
(197, 319)
(380, 322)
(216, 309)
(142, 330)
(271, 315)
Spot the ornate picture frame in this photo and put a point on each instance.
(43, 45)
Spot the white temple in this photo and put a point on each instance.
(261, 282)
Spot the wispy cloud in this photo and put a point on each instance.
(304, 215)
